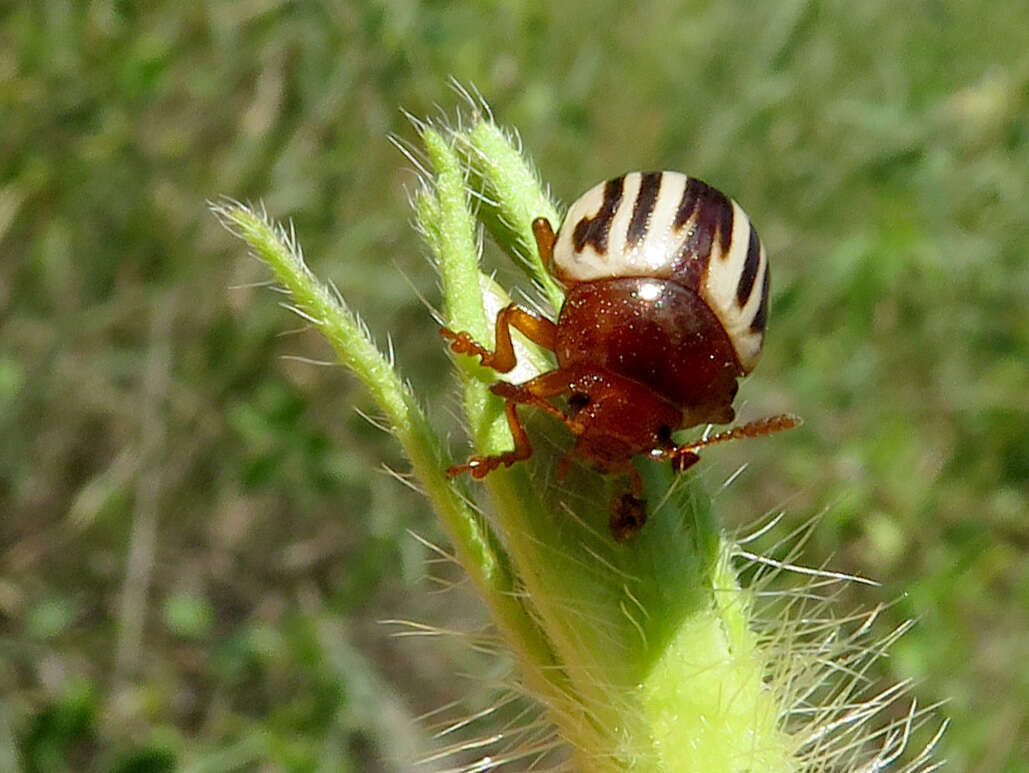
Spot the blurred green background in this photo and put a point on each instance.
(197, 539)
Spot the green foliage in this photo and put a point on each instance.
(880, 147)
(61, 731)
(187, 615)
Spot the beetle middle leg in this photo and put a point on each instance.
(537, 329)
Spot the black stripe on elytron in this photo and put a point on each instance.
(725, 227)
(750, 266)
(595, 230)
(692, 258)
(690, 194)
(650, 185)
(709, 212)
(757, 325)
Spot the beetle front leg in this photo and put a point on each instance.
(480, 466)
(537, 392)
(533, 392)
(540, 331)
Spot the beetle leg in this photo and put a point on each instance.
(533, 392)
(545, 238)
(480, 466)
(536, 391)
(683, 457)
(537, 329)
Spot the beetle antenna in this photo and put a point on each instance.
(767, 426)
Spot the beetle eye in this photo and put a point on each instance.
(664, 434)
(578, 401)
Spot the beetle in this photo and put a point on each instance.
(665, 309)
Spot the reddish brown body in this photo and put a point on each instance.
(638, 357)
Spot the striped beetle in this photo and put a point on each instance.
(666, 305)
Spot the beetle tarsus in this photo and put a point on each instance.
(481, 466)
(462, 343)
